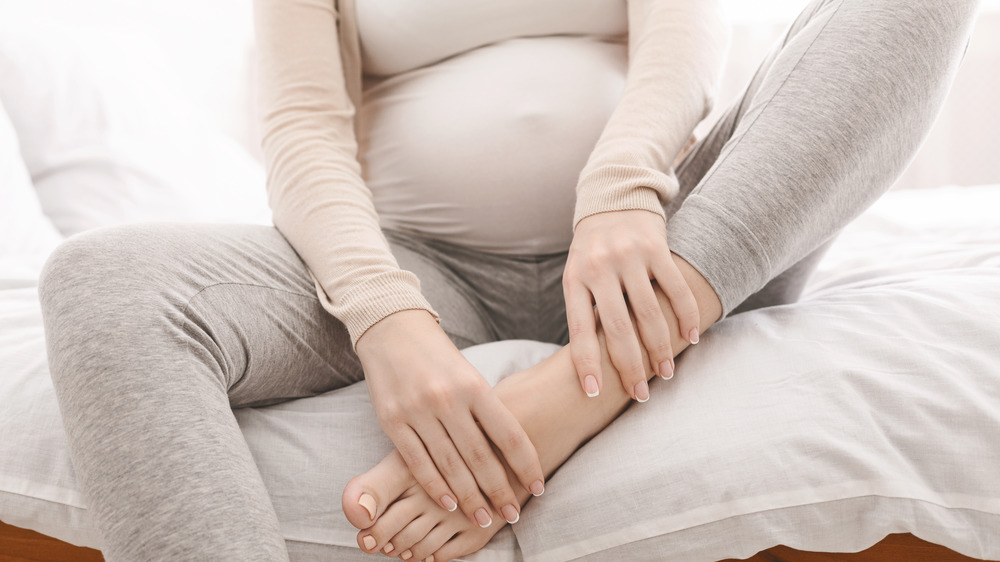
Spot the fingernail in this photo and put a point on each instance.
(537, 488)
(642, 391)
(510, 514)
(590, 386)
(406, 555)
(693, 335)
(449, 503)
(483, 518)
(369, 541)
(388, 548)
(368, 502)
(666, 371)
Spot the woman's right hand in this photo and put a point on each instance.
(428, 399)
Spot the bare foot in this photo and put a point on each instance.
(397, 518)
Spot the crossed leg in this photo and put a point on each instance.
(397, 518)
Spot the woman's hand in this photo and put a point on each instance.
(428, 399)
(614, 255)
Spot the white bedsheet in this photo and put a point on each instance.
(872, 406)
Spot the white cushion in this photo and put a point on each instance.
(26, 235)
(106, 136)
(870, 407)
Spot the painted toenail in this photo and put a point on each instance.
(642, 391)
(388, 548)
(449, 503)
(368, 502)
(406, 555)
(369, 541)
(590, 386)
(537, 488)
(483, 518)
(429, 558)
(510, 514)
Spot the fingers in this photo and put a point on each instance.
(681, 298)
(514, 444)
(411, 448)
(651, 323)
(490, 476)
(622, 341)
(583, 344)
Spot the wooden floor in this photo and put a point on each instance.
(21, 545)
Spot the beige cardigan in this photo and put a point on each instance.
(310, 77)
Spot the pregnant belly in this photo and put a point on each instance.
(484, 149)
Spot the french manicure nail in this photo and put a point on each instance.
(406, 555)
(510, 514)
(368, 502)
(483, 518)
(448, 503)
(693, 336)
(537, 488)
(642, 391)
(369, 541)
(666, 370)
(590, 386)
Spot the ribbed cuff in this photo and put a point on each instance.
(374, 299)
(721, 248)
(617, 187)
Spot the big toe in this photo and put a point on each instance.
(367, 495)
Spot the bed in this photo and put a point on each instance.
(867, 413)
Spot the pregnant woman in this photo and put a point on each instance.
(445, 173)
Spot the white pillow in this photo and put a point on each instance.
(870, 407)
(26, 235)
(106, 136)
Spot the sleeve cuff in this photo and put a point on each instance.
(374, 299)
(617, 187)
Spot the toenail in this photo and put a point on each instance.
(449, 503)
(590, 386)
(483, 518)
(510, 514)
(369, 541)
(537, 488)
(368, 502)
(388, 548)
(429, 558)
(406, 555)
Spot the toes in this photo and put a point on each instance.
(438, 536)
(463, 544)
(413, 532)
(400, 514)
(367, 495)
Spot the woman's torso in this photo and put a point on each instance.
(477, 116)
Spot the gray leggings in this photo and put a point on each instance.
(155, 332)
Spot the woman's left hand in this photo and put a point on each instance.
(614, 255)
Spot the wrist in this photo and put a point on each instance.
(404, 324)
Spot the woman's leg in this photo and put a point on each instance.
(828, 123)
(154, 333)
